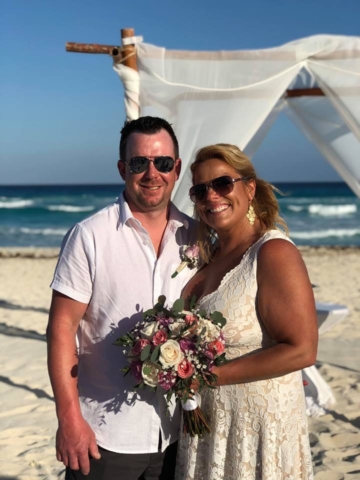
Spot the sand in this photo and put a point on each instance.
(27, 413)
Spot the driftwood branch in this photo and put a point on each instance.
(93, 48)
(125, 54)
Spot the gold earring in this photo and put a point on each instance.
(251, 215)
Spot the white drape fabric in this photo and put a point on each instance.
(234, 96)
(131, 81)
(328, 131)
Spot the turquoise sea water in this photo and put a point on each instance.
(39, 216)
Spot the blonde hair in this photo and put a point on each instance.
(265, 204)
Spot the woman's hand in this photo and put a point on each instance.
(195, 384)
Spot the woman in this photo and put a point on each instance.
(256, 277)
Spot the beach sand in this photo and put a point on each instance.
(27, 413)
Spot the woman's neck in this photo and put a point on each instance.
(230, 244)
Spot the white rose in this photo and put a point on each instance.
(149, 330)
(176, 327)
(212, 331)
(170, 353)
(150, 372)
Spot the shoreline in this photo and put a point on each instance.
(53, 252)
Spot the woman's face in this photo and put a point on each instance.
(223, 211)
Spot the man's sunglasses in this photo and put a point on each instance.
(163, 164)
(221, 185)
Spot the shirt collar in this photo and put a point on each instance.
(176, 218)
(125, 214)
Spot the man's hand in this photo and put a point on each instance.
(75, 444)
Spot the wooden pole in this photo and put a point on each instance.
(129, 51)
(92, 48)
(305, 92)
(125, 53)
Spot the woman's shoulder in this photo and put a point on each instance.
(275, 235)
(276, 249)
(273, 239)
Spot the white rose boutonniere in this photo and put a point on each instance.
(190, 258)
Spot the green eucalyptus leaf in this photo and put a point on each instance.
(216, 316)
(178, 305)
(192, 302)
(155, 354)
(218, 319)
(145, 353)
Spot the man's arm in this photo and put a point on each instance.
(75, 440)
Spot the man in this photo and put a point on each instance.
(113, 266)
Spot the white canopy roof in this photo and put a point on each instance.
(235, 96)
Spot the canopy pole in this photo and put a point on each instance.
(128, 51)
(303, 92)
(125, 54)
(93, 48)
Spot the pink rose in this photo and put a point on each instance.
(159, 337)
(190, 319)
(185, 369)
(139, 346)
(216, 348)
(192, 252)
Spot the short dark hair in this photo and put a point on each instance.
(149, 126)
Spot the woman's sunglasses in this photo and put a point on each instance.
(221, 185)
(163, 164)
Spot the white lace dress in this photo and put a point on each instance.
(259, 429)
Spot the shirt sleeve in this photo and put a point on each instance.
(75, 270)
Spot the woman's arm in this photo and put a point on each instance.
(287, 308)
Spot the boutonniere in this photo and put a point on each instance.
(190, 258)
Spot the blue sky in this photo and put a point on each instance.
(61, 113)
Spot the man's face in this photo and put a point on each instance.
(150, 190)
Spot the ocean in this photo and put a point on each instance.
(39, 216)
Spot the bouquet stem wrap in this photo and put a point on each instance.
(194, 421)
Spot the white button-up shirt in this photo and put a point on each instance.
(109, 262)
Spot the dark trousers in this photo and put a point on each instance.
(127, 466)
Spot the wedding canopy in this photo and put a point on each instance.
(235, 96)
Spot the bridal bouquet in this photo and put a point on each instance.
(170, 348)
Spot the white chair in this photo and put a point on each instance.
(318, 394)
